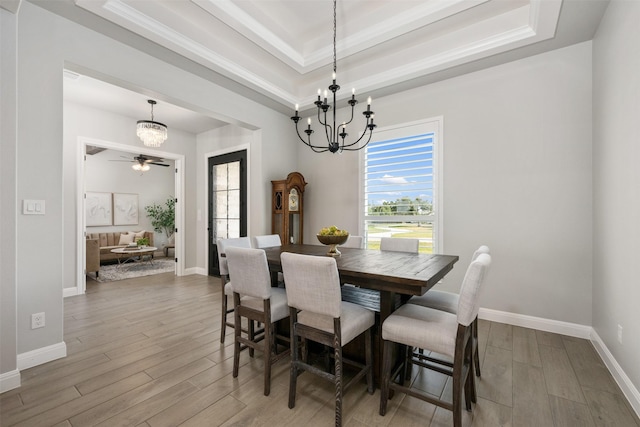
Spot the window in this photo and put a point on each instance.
(401, 184)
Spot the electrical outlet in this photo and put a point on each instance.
(620, 334)
(37, 320)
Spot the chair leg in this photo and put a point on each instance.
(252, 335)
(386, 376)
(237, 332)
(293, 373)
(368, 357)
(457, 397)
(223, 324)
(476, 357)
(267, 359)
(337, 351)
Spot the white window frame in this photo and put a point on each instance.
(433, 125)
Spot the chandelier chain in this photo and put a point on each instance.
(334, 36)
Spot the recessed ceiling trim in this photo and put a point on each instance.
(395, 26)
(534, 21)
(161, 33)
(253, 30)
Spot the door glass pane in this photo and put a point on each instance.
(221, 229)
(221, 204)
(234, 227)
(226, 196)
(234, 204)
(234, 176)
(220, 177)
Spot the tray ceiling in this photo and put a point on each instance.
(281, 51)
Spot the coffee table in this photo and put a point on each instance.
(134, 255)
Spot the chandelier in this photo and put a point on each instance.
(152, 133)
(335, 135)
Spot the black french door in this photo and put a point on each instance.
(227, 216)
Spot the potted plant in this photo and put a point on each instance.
(143, 242)
(163, 217)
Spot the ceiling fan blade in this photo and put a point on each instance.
(159, 164)
(128, 161)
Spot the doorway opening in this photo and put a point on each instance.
(178, 183)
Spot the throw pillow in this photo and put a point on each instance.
(138, 235)
(126, 238)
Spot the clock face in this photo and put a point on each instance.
(293, 200)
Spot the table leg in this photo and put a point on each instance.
(387, 306)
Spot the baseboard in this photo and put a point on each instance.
(9, 380)
(42, 355)
(547, 325)
(69, 292)
(630, 391)
(196, 270)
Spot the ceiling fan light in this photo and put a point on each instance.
(151, 133)
(140, 167)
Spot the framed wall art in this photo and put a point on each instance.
(98, 209)
(125, 209)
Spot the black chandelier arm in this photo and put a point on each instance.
(346, 147)
(370, 127)
(315, 148)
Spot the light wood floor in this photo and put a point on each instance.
(146, 352)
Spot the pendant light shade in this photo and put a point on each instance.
(150, 132)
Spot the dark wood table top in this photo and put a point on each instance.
(400, 272)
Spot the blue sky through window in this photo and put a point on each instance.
(397, 168)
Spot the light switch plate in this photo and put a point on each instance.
(32, 207)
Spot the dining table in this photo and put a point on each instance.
(393, 276)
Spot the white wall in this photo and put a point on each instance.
(616, 153)
(45, 44)
(517, 177)
(9, 375)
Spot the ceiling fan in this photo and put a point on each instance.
(142, 162)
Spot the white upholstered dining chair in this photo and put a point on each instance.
(267, 241)
(227, 287)
(444, 333)
(317, 313)
(255, 300)
(353, 242)
(399, 244)
(448, 301)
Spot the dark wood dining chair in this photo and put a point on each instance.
(255, 300)
(317, 314)
(444, 333)
(449, 301)
(227, 287)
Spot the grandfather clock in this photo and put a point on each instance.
(287, 208)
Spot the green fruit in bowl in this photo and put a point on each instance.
(332, 231)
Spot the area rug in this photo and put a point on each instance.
(113, 272)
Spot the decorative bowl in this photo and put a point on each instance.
(333, 241)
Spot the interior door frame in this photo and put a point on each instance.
(179, 191)
(207, 156)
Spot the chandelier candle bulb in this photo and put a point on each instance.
(296, 109)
